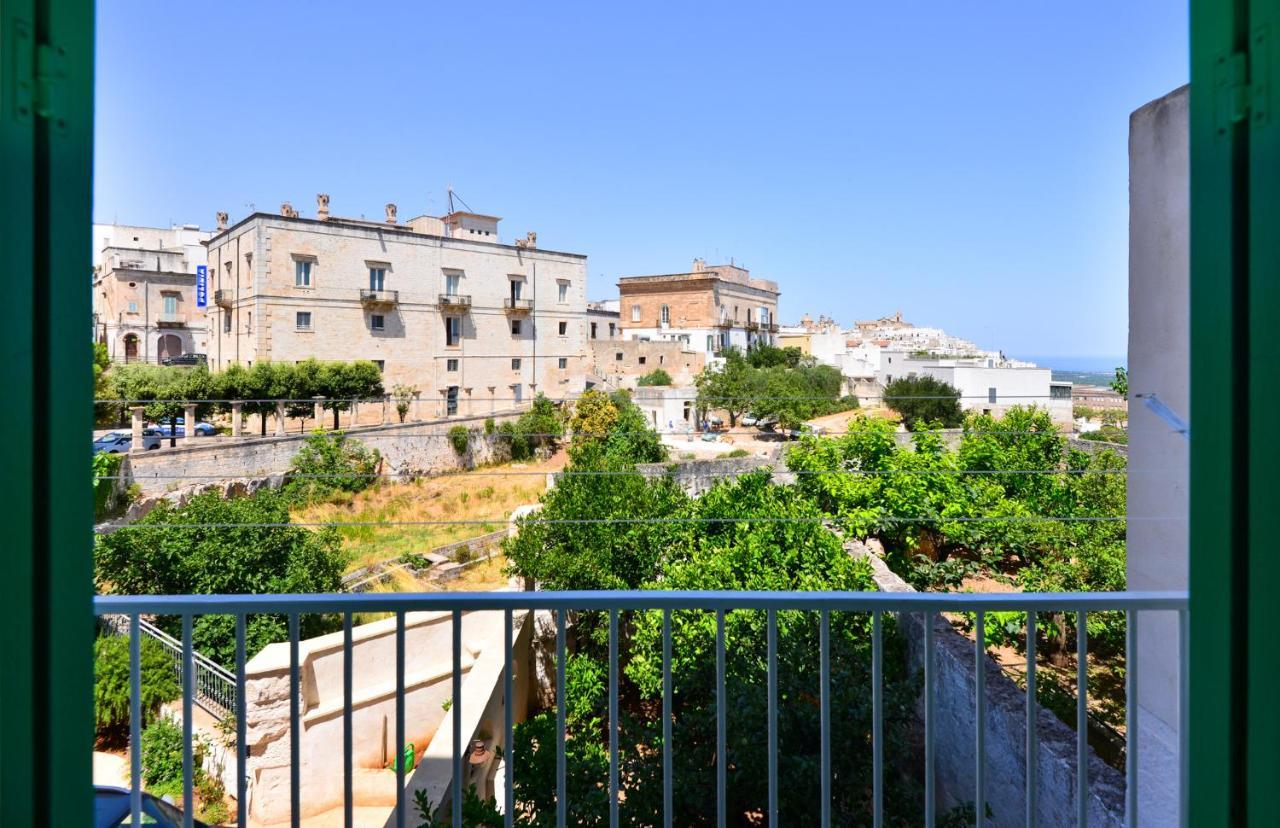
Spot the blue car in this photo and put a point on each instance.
(111, 808)
(178, 429)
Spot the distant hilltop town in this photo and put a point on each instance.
(445, 305)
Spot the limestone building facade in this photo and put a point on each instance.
(439, 303)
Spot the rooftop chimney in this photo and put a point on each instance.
(322, 206)
(222, 220)
(391, 213)
(287, 210)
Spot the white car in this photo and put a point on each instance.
(120, 441)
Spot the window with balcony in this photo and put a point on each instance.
(517, 288)
(452, 331)
(170, 305)
(377, 278)
(452, 283)
(302, 320)
(451, 401)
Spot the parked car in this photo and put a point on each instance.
(120, 441)
(178, 429)
(186, 359)
(749, 420)
(111, 808)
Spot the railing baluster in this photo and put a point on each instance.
(242, 727)
(824, 646)
(980, 718)
(1131, 719)
(295, 729)
(561, 712)
(1032, 767)
(1184, 718)
(508, 718)
(667, 712)
(772, 635)
(877, 722)
(721, 720)
(457, 719)
(613, 718)
(1082, 719)
(400, 738)
(188, 693)
(135, 721)
(348, 741)
(930, 725)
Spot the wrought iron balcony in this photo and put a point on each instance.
(518, 305)
(379, 298)
(455, 300)
(293, 668)
(224, 298)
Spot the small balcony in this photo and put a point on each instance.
(224, 298)
(171, 320)
(771, 327)
(751, 325)
(518, 305)
(379, 298)
(455, 301)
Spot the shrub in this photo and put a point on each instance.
(1107, 434)
(162, 757)
(106, 468)
(331, 462)
(655, 377)
(489, 427)
(459, 438)
(736, 453)
(402, 394)
(111, 691)
(924, 401)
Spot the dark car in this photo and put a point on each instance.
(111, 808)
(186, 359)
(178, 429)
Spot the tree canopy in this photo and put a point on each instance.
(924, 401)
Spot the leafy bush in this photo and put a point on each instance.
(403, 395)
(111, 686)
(460, 439)
(655, 377)
(162, 758)
(476, 812)
(330, 462)
(106, 467)
(1107, 434)
(489, 427)
(924, 401)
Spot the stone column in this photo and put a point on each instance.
(135, 417)
(237, 419)
(471, 402)
(386, 400)
(189, 429)
(279, 418)
(417, 406)
(493, 399)
(319, 411)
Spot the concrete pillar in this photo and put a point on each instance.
(493, 399)
(386, 404)
(279, 419)
(417, 406)
(471, 402)
(135, 423)
(319, 410)
(189, 430)
(237, 419)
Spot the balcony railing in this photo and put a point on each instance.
(224, 298)
(379, 297)
(455, 300)
(562, 604)
(518, 305)
(170, 320)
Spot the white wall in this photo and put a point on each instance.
(1159, 360)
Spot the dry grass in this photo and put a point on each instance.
(465, 496)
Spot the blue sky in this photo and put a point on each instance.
(963, 162)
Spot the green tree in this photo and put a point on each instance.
(211, 545)
(655, 377)
(924, 401)
(112, 693)
(329, 462)
(733, 387)
(770, 356)
(342, 383)
(614, 423)
(403, 396)
(1120, 384)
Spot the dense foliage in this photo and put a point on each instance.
(774, 383)
(240, 545)
(924, 402)
(111, 690)
(612, 429)
(331, 462)
(655, 377)
(1120, 384)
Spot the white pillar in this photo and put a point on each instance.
(319, 410)
(135, 423)
(237, 419)
(417, 406)
(189, 429)
(279, 419)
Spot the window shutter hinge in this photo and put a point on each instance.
(38, 74)
(1240, 90)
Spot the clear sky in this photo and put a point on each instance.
(964, 162)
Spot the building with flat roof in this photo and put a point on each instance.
(439, 303)
(708, 309)
(144, 291)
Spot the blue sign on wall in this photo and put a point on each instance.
(202, 286)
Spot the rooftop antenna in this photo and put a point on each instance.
(452, 196)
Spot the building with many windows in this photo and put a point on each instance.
(711, 308)
(144, 286)
(439, 303)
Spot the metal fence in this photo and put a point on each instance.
(215, 686)
(876, 604)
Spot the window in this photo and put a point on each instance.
(563, 296)
(666, 315)
(517, 392)
(451, 365)
(711, 343)
(611, 330)
(564, 328)
(515, 364)
(377, 277)
(377, 322)
(303, 320)
(302, 273)
(517, 287)
(642, 359)
(226, 323)
(515, 327)
(170, 305)
(617, 356)
(562, 363)
(451, 401)
(593, 330)
(381, 363)
(1060, 392)
(133, 307)
(991, 395)
(248, 326)
(452, 331)
(635, 313)
(452, 281)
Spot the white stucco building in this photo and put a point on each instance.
(984, 384)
